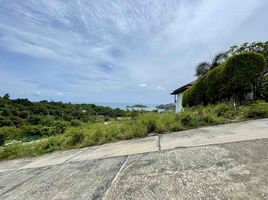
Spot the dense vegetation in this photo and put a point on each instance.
(260, 86)
(21, 119)
(258, 47)
(233, 79)
(93, 133)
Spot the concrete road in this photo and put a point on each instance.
(222, 162)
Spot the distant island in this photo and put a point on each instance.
(137, 106)
(167, 107)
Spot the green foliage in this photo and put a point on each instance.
(201, 116)
(76, 138)
(13, 151)
(23, 120)
(233, 79)
(264, 92)
(48, 145)
(92, 133)
(75, 122)
(10, 132)
(20, 112)
(202, 68)
(219, 59)
(2, 139)
(225, 110)
(60, 127)
(256, 110)
(259, 47)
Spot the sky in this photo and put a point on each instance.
(123, 51)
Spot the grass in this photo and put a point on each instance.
(88, 134)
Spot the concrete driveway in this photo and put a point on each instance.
(220, 162)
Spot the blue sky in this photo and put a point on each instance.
(117, 50)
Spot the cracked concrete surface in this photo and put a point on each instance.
(207, 172)
(221, 162)
(80, 180)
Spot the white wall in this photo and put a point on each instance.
(179, 102)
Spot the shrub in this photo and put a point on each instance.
(264, 92)
(11, 133)
(60, 127)
(167, 122)
(30, 130)
(75, 122)
(200, 116)
(35, 119)
(5, 122)
(225, 110)
(234, 78)
(76, 137)
(256, 110)
(138, 129)
(2, 139)
(149, 120)
(47, 121)
(50, 144)
(98, 136)
(10, 151)
(186, 119)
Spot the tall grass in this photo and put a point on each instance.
(88, 134)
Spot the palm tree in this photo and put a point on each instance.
(202, 68)
(219, 59)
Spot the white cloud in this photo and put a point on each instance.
(160, 88)
(144, 85)
(107, 47)
(37, 93)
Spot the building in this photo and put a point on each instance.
(178, 95)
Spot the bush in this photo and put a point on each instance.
(5, 122)
(2, 139)
(11, 133)
(256, 110)
(168, 122)
(28, 131)
(264, 92)
(75, 122)
(50, 144)
(60, 128)
(225, 110)
(10, 151)
(234, 78)
(47, 121)
(76, 137)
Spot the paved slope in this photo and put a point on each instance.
(228, 168)
(242, 131)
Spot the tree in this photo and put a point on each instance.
(201, 69)
(231, 80)
(259, 47)
(6, 96)
(219, 59)
(265, 89)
